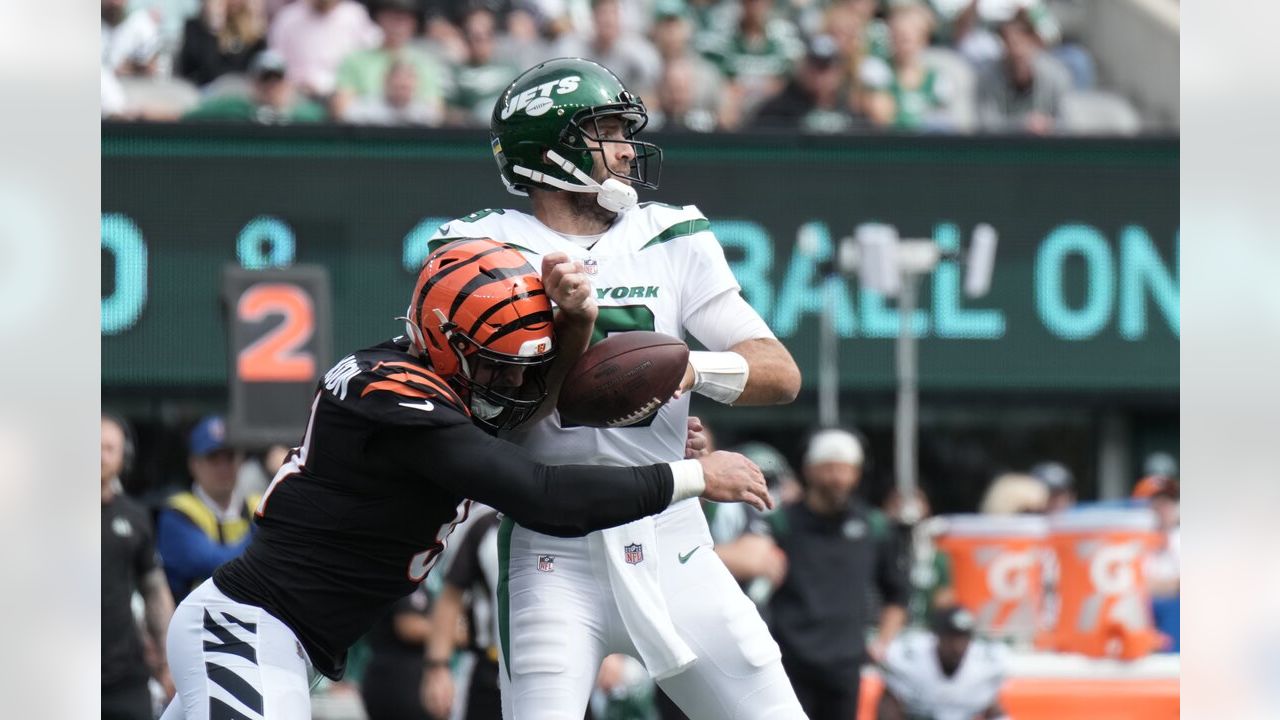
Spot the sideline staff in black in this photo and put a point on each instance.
(836, 546)
(129, 563)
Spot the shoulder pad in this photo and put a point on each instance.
(388, 385)
(663, 223)
(490, 222)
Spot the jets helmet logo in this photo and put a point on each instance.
(537, 100)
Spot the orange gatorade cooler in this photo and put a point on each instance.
(996, 567)
(1105, 609)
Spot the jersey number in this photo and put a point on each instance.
(278, 355)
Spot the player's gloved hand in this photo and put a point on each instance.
(568, 286)
(731, 477)
(437, 691)
(698, 441)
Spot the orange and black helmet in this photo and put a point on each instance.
(478, 304)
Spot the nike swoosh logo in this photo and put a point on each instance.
(444, 229)
(684, 557)
(425, 406)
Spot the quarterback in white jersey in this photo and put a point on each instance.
(943, 675)
(563, 134)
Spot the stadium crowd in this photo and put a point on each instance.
(817, 66)
(892, 594)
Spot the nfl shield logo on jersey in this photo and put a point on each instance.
(546, 563)
(635, 554)
(591, 265)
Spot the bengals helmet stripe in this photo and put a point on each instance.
(451, 268)
(527, 321)
(466, 292)
(484, 316)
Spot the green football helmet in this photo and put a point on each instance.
(543, 120)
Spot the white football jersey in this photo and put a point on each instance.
(651, 270)
(913, 674)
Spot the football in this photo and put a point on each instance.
(623, 379)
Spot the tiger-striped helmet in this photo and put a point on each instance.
(480, 316)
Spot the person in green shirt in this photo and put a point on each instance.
(757, 57)
(904, 92)
(481, 77)
(272, 100)
(362, 74)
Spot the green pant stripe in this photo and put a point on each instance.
(504, 595)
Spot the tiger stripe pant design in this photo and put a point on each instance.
(232, 661)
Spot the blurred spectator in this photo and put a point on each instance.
(757, 56)
(903, 92)
(846, 26)
(479, 80)
(364, 75)
(470, 586)
(1163, 568)
(946, 675)
(129, 566)
(224, 38)
(315, 35)
(1024, 92)
(1160, 463)
(813, 101)
(678, 96)
(628, 54)
(113, 101)
(691, 85)
(389, 684)
(837, 548)
(754, 560)
(400, 102)
(929, 569)
(200, 529)
(1060, 482)
(1014, 494)
(131, 43)
(271, 99)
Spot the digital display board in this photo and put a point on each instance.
(1085, 295)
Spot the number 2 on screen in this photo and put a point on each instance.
(277, 356)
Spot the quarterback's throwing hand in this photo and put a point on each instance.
(731, 477)
(568, 286)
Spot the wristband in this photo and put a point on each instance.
(688, 480)
(430, 664)
(721, 376)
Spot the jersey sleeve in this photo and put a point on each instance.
(390, 387)
(705, 272)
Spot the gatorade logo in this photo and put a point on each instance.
(537, 100)
(1009, 575)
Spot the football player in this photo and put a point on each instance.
(392, 457)
(944, 675)
(564, 134)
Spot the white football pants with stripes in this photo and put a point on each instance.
(561, 620)
(232, 661)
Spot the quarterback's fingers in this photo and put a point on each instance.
(695, 424)
(551, 260)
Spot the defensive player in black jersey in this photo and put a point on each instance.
(390, 462)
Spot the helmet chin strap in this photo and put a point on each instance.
(613, 195)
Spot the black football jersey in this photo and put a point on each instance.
(388, 466)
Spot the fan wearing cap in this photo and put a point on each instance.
(814, 100)
(272, 99)
(836, 546)
(946, 674)
(1061, 483)
(201, 528)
